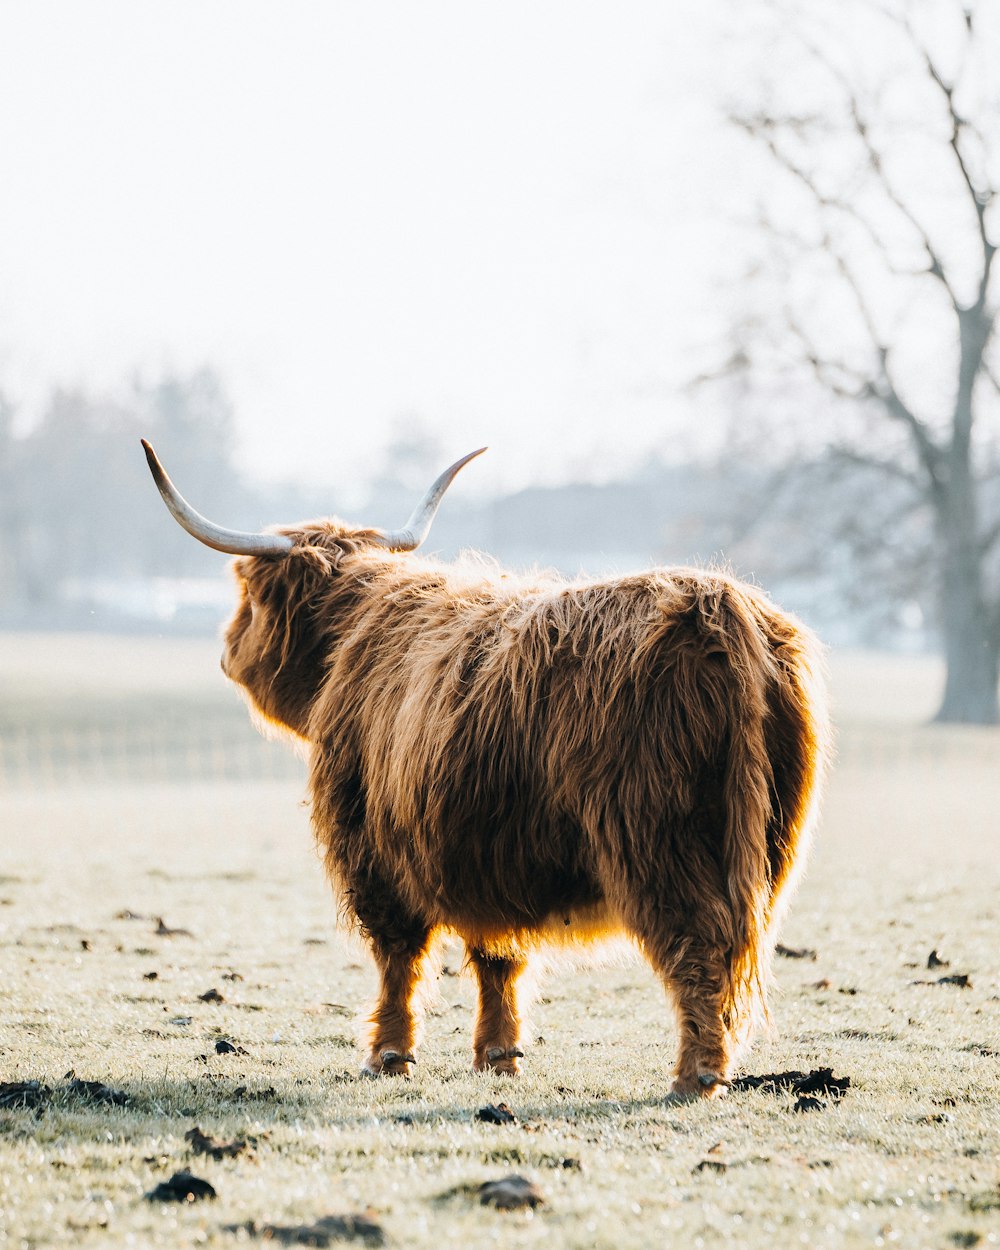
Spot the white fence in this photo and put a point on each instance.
(40, 757)
(227, 748)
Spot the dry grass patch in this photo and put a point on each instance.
(906, 863)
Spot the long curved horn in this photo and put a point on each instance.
(232, 542)
(418, 526)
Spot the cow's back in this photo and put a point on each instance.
(487, 748)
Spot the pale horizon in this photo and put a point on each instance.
(360, 217)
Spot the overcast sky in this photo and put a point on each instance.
(510, 222)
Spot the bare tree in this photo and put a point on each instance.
(882, 231)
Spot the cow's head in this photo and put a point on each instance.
(277, 640)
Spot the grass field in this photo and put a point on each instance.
(133, 789)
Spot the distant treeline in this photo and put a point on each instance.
(77, 510)
(73, 502)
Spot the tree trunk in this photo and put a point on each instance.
(972, 657)
(970, 645)
(970, 690)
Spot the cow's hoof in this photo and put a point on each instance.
(389, 1063)
(694, 1088)
(497, 1059)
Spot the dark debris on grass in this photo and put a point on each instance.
(507, 1193)
(182, 1187)
(795, 952)
(243, 1093)
(202, 1144)
(24, 1095)
(324, 1232)
(164, 930)
(95, 1092)
(37, 1097)
(224, 1047)
(959, 979)
(806, 1102)
(498, 1114)
(511, 1193)
(818, 1081)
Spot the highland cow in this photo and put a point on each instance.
(521, 761)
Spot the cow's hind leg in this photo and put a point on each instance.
(697, 977)
(698, 980)
(496, 1041)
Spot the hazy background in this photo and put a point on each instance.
(700, 276)
(506, 222)
(714, 280)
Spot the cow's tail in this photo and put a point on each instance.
(748, 796)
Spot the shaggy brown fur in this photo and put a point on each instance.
(520, 762)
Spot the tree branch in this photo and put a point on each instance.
(763, 128)
(828, 372)
(935, 265)
(851, 455)
(929, 452)
(883, 388)
(981, 197)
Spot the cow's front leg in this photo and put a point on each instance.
(496, 1043)
(393, 1036)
